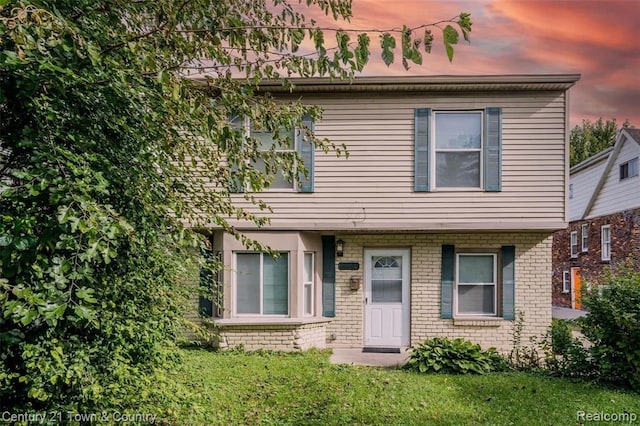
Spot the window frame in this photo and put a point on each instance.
(495, 284)
(310, 284)
(566, 281)
(628, 169)
(606, 228)
(585, 237)
(435, 150)
(245, 124)
(261, 275)
(573, 244)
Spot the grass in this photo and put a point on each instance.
(304, 388)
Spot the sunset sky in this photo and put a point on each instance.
(599, 39)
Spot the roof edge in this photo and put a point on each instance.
(422, 83)
(602, 155)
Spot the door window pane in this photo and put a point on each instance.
(248, 283)
(386, 279)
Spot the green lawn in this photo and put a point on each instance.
(304, 388)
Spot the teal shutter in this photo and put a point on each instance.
(508, 282)
(328, 276)
(306, 150)
(446, 288)
(205, 305)
(421, 142)
(493, 149)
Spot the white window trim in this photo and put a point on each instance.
(585, 237)
(235, 287)
(608, 242)
(566, 281)
(573, 242)
(309, 283)
(494, 284)
(434, 150)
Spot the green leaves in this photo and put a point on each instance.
(449, 37)
(388, 44)
(458, 356)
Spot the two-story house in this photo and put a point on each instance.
(439, 223)
(604, 215)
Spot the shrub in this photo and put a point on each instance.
(613, 327)
(442, 355)
(566, 355)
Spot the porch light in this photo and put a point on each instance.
(339, 248)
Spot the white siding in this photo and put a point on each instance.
(584, 183)
(617, 195)
(373, 188)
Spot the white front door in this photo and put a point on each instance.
(386, 292)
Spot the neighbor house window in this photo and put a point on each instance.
(585, 237)
(606, 242)
(629, 169)
(458, 153)
(308, 279)
(574, 244)
(570, 191)
(262, 284)
(566, 281)
(476, 284)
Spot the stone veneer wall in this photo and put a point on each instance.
(533, 287)
(625, 243)
(281, 337)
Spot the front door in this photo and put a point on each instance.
(386, 297)
(576, 289)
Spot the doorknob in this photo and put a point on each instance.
(366, 300)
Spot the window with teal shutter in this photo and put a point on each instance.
(306, 150)
(422, 116)
(493, 150)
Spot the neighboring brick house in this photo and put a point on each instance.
(439, 223)
(604, 216)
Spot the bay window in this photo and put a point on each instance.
(262, 284)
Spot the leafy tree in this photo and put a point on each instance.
(591, 138)
(107, 151)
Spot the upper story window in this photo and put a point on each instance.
(629, 169)
(287, 142)
(458, 149)
(571, 191)
(268, 142)
(574, 244)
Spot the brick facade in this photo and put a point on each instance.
(625, 244)
(281, 337)
(533, 298)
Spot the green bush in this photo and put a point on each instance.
(460, 356)
(613, 327)
(566, 355)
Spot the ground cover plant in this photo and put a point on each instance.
(304, 388)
